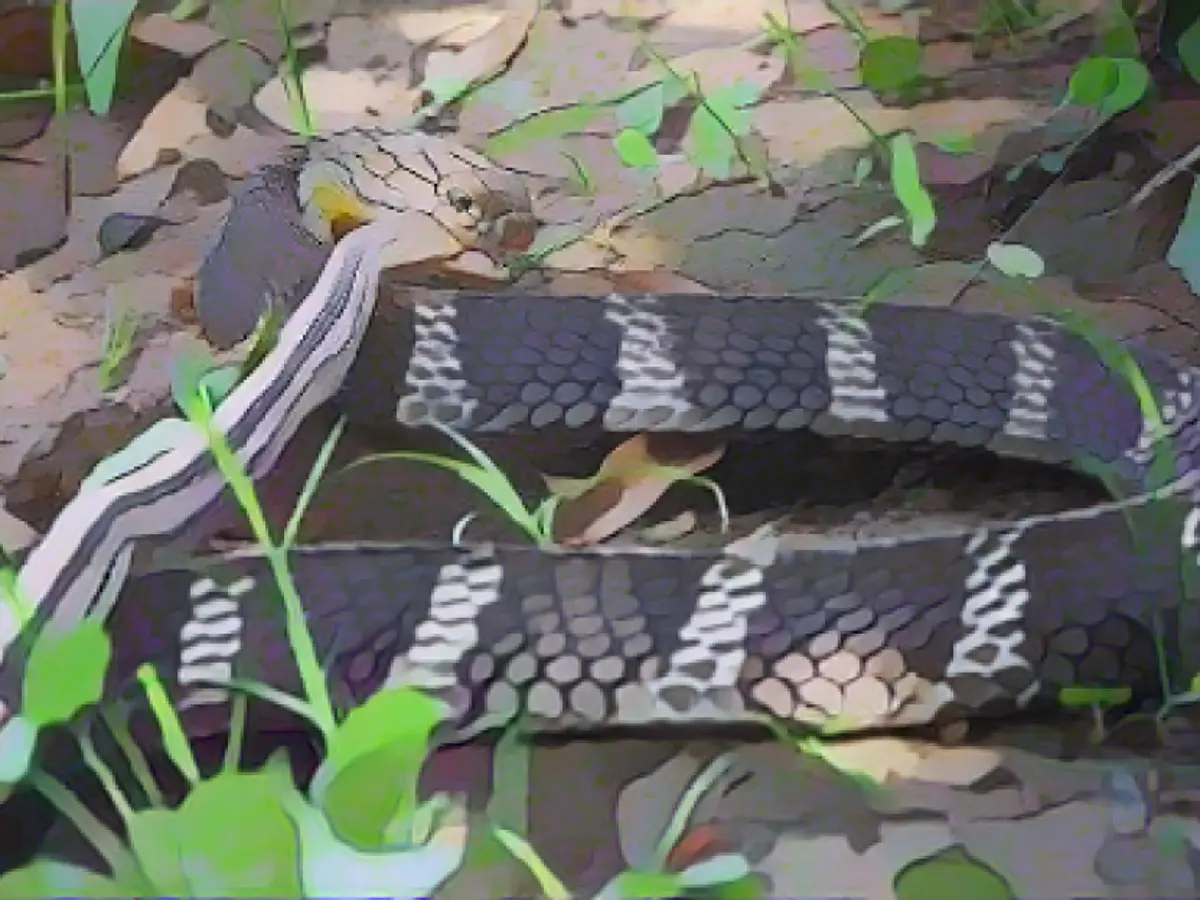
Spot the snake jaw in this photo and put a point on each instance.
(477, 205)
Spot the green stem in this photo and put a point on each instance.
(312, 676)
(138, 763)
(294, 80)
(60, 28)
(237, 731)
(174, 739)
(312, 482)
(105, 775)
(295, 705)
(100, 837)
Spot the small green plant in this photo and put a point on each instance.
(374, 752)
(120, 330)
(483, 474)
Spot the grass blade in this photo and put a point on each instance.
(312, 481)
(491, 483)
(174, 741)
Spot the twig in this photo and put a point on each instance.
(1167, 174)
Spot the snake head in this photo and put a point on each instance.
(445, 203)
(488, 209)
(365, 175)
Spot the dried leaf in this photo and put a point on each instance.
(670, 530)
(631, 479)
(567, 488)
(448, 72)
(339, 100)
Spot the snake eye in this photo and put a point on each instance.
(459, 200)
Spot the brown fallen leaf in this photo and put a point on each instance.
(670, 530)
(340, 100)
(187, 38)
(631, 479)
(483, 57)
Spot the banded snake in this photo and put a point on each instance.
(910, 630)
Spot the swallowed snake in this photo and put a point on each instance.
(834, 634)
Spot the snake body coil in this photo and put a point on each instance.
(878, 633)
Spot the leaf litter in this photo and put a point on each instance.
(797, 131)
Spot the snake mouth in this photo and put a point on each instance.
(517, 233)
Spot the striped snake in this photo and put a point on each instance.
(851, 634)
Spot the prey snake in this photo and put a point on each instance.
(853, 634)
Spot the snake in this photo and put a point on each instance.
(814, 631)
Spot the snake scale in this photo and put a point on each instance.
(925, 628)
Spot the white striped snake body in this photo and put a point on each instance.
(920, 629)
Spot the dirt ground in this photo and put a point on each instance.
(1030, 810)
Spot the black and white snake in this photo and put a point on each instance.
(856, 635)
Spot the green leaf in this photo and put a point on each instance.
(1184, 252)
(369, 776)
(49, 878)
(1093, 80)
(1087, 697)
(730, 105)
(889, 63)
(675, 89)
(709, 146)
(635, 149)
(18, 740)
(862, 168)
(955, 144)
(643, 111)
(237, 838)
(545, 126)
(711, 139)
(445, 89)
(1188, 48)
(1133, 80)
(156, 846)
(1016, 260)
(950, 875)
(906, 182)
(1109, 85)
(724, 868)
(370, 795)
(634, 884)
(330, 868)
(100, 27)
(65, 672)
